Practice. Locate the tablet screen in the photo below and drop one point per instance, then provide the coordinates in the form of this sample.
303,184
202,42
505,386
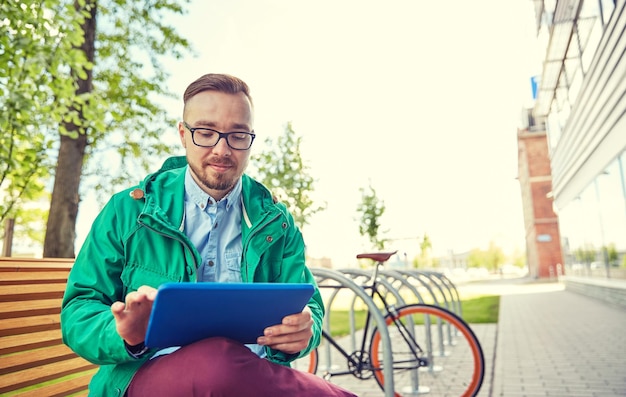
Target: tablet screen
184,313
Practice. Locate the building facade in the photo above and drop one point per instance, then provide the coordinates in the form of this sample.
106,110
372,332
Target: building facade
581,102
543,242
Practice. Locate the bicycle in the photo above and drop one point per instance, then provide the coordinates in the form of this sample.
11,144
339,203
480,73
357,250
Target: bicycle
411,329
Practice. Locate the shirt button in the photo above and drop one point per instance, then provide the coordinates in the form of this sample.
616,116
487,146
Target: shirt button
211,263
269,239
284,225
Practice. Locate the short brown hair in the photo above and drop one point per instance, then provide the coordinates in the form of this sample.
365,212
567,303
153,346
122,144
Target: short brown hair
217,82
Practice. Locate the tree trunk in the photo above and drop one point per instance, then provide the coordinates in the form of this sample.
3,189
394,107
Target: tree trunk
7,247
61,227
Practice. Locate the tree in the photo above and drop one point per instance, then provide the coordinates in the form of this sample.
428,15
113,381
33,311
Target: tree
371,209
424,259
104,80
284,172
492,258
37,47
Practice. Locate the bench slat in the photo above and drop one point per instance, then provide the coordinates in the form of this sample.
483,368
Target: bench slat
18,293
35,277
43,373
31,348
29,309
19,343
27,325
62,389
31,358
21,263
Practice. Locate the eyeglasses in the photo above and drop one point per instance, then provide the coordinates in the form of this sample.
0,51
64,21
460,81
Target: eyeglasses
207,137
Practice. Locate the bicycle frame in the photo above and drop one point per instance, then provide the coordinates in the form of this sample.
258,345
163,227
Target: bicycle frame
360,363
377,356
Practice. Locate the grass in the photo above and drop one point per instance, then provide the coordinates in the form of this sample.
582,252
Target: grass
478,310
481,310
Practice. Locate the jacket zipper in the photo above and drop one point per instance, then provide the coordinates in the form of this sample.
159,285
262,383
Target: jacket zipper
250,236
173,238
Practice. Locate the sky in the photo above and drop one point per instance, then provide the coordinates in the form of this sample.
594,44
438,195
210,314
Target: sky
421,100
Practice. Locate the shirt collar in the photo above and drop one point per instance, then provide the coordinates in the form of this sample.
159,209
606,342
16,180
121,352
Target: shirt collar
199,197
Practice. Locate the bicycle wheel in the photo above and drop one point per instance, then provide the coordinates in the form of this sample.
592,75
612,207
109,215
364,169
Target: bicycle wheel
307,363
449,361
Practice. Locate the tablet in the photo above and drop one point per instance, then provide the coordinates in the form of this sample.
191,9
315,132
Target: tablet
184,313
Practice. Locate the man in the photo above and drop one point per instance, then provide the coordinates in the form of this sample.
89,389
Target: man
199,218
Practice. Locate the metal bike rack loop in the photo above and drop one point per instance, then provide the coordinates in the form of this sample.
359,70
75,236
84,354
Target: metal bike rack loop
454,293
376,315
383,278
419,277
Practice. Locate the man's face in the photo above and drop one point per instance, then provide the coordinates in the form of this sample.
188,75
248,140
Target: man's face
216,169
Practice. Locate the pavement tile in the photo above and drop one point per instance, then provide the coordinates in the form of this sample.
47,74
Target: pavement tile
548,342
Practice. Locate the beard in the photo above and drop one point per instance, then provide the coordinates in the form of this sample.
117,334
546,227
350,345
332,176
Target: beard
217,181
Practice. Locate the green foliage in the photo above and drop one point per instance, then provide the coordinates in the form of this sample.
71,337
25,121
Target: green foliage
129,78
611,254
41,67
519,259
36,91
284,172
586,254
371,209
491,259
424,260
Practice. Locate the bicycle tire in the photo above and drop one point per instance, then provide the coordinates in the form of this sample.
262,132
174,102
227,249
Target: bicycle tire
308,363
461,374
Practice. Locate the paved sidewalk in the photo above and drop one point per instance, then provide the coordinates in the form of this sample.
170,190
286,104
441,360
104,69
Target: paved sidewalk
559,344
548,342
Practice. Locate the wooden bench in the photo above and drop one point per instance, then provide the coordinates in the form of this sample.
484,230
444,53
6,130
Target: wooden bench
33,358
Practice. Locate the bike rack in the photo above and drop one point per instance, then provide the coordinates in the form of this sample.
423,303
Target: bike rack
390,288
354,274
416,276
323,274
455,297
442,287
395,275
404,282
420,276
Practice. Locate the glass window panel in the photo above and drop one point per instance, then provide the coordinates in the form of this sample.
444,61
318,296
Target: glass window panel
612,209
589,8
553,127
576,83
608,6
591,45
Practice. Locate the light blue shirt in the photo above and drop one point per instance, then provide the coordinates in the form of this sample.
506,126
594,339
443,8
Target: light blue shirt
214,227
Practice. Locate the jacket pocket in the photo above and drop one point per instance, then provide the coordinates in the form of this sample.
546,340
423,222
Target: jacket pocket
134,276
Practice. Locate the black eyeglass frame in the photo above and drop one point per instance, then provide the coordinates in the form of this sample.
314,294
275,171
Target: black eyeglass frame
221,135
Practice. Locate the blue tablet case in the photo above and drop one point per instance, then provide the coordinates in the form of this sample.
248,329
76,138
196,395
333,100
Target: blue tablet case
184,313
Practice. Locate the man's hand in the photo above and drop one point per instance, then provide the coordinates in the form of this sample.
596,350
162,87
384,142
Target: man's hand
292,336
131,318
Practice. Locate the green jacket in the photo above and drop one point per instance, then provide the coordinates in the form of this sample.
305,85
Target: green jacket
136,241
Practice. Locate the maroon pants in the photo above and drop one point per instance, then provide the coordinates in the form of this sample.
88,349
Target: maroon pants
220,367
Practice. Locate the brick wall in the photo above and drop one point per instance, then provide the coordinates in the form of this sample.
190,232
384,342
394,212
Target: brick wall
543,241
